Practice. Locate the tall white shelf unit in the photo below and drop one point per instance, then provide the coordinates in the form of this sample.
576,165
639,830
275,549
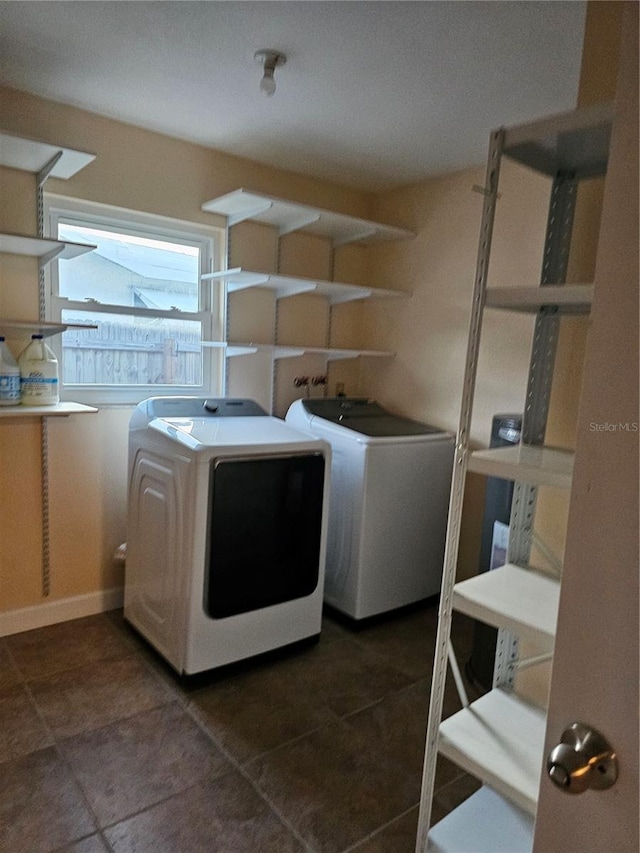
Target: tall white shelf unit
44,161
287,217
499,738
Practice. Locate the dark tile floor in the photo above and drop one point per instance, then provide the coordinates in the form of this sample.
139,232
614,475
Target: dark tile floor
102,748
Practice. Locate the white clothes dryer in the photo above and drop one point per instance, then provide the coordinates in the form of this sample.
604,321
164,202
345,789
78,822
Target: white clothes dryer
226,534
390,489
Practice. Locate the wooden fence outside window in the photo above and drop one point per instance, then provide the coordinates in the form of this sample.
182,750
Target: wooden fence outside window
127,354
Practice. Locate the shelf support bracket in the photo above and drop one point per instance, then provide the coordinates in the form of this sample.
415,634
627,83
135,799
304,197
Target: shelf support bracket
248,213
46,170
356,237
45,259
297,224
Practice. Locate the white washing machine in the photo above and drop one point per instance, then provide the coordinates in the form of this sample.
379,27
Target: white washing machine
390,488
226,534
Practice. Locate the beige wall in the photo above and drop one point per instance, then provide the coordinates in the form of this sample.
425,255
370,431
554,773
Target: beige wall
142,170
255,316
429,331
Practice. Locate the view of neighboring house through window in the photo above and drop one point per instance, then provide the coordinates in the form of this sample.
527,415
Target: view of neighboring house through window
141,289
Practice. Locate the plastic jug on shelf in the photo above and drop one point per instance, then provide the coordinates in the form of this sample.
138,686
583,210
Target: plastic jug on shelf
9,376
38,374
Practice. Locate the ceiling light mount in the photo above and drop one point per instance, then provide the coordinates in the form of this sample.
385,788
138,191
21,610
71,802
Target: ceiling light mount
270,60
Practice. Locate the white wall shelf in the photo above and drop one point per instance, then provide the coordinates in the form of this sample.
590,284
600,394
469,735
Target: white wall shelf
288,216
494,824
41,247
521,600
575,142
538,466
13,327
565,299
59,410
45,161
31,155
278,351
286,285
500,740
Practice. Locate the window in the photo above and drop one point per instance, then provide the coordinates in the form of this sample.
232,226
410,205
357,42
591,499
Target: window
141,293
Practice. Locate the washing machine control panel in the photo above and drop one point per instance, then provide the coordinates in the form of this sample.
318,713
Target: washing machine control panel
200,407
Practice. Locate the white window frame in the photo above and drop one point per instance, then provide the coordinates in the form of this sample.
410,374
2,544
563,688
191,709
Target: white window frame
211,242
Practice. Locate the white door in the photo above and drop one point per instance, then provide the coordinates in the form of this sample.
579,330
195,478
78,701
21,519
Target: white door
596,662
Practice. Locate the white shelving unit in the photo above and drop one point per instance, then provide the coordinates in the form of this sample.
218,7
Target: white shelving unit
285,285
43,249
523,601
287,217
59,410
44,160
234,349
33,155
575,142
13,327
500,737
494,824
565,299
539,466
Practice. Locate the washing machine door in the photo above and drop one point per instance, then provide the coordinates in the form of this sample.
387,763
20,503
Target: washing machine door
265,530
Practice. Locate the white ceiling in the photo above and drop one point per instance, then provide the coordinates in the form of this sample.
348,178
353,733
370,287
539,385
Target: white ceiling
373,95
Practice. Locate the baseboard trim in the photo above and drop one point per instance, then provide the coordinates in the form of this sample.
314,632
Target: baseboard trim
59,610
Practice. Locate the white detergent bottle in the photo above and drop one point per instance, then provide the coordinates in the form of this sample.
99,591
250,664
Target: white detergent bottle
38,374
9,376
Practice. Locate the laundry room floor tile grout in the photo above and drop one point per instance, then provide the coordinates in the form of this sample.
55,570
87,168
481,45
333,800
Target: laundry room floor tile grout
317,750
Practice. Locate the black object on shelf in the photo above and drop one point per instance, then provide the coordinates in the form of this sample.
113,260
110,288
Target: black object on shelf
505,431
